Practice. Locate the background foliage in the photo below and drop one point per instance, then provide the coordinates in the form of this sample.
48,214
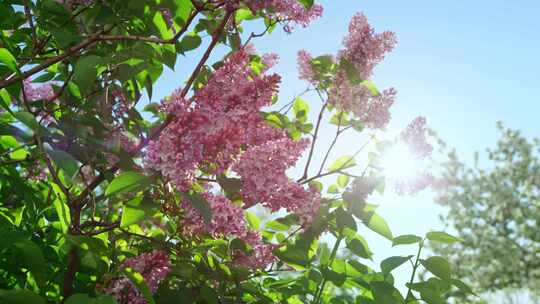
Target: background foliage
495,211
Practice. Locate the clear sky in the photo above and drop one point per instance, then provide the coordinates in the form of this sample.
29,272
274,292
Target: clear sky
462,64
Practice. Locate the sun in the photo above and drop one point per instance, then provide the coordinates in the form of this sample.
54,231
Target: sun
399,163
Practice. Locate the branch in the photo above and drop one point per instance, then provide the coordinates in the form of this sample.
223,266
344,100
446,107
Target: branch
28,14
310,156
106,227
90,42
338,132
255,35
320,291
71,270
47,63
152,39
409,293
338,170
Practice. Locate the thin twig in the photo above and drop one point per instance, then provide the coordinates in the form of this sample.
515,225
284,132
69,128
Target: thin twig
338,170
315,134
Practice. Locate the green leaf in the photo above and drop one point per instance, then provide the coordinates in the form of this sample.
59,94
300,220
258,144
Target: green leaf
159,22
376,223
62,210
405,239
129,181
277,226
359,246
350,70
243,14
432,297
64,160
441,237
335,277
306,3
189,42
333,189
28,120
8,60
295,255
345,219
394,262
342,180
34,259
462,286
201,205
20,296
138,280
230,185
438,266
385,293
5,100
371,87
131,215
86,71
340,119
253,220
209,295
342,163
301,109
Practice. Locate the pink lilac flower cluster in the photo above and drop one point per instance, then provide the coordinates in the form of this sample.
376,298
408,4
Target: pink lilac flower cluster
414,136
221,128
153,266
305,69
372,110
362,187
261,256
264,180
44,92
287,10
212,131
364,49
35,92
228,221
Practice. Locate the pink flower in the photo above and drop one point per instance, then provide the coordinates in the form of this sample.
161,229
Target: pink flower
227,218
261,256
264,180
223,119
228,222
363,47
372,110
35,92
304,66
153,266
412,186
414,136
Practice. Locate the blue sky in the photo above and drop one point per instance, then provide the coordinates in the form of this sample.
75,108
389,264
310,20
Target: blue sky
462,64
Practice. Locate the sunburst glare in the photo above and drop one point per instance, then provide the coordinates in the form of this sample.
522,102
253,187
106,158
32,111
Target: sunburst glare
399,163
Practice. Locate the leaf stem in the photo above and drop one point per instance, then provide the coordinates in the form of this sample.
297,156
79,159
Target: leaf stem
415,266
320,290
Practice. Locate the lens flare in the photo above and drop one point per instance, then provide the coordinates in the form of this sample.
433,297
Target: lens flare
399,163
